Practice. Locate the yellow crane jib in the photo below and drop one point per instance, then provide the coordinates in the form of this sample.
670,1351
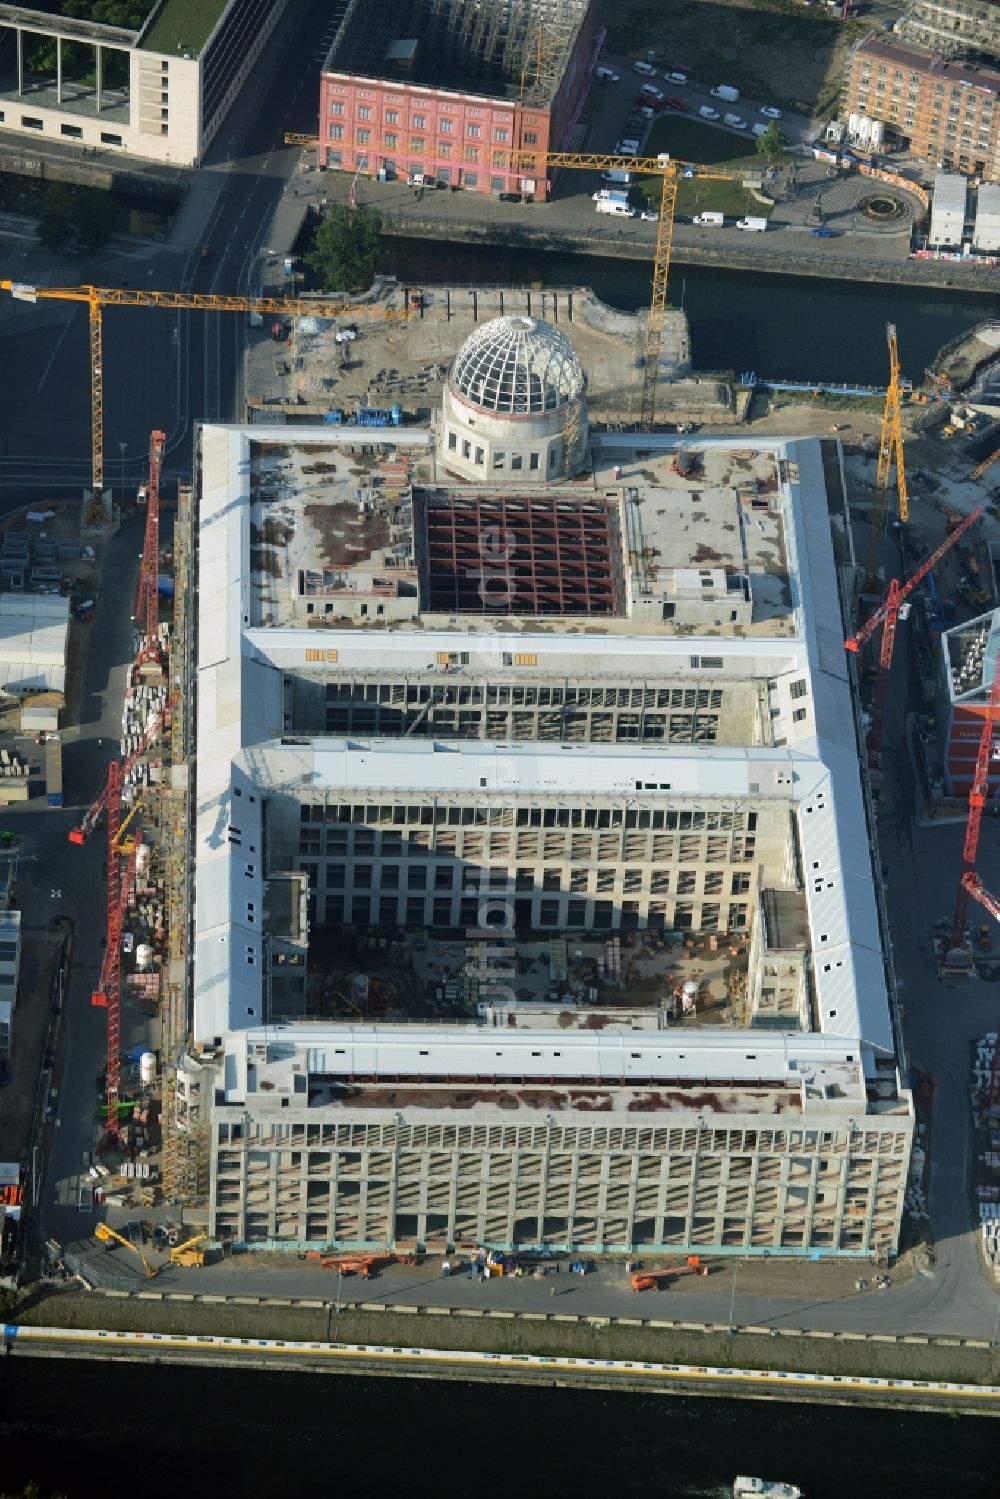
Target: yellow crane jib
96,298
668,170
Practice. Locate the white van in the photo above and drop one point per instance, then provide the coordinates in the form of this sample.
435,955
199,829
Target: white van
713,220
755,226
627,147
645,68
612,206
617,179
607,75
706,112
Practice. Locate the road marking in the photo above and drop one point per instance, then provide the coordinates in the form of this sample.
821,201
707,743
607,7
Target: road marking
55,351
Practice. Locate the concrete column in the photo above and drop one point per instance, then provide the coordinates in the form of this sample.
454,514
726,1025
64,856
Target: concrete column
20,61
59,75
99,74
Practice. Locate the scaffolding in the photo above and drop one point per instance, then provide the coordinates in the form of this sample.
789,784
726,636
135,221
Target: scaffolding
561,560
184,1154
501,48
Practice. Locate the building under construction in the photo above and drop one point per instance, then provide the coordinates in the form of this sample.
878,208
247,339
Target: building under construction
445,90
533,889
966,668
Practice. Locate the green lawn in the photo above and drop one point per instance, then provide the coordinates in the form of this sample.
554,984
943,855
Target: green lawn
689,140
183,26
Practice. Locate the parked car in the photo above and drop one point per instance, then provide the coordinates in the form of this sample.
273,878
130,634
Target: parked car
675,77
823,233
706,112
511,197
770,111
646,112
648,216
607,75
674,102
651,92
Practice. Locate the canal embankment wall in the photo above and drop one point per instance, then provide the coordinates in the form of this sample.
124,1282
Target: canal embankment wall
760,260
699,1347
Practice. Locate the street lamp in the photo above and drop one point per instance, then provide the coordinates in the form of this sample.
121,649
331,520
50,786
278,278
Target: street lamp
121,448
732,1300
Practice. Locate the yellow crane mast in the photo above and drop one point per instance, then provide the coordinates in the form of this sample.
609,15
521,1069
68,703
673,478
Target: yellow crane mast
669,173
980,469
890,451
96,298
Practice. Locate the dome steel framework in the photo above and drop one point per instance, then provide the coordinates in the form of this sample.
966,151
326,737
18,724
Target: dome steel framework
517,366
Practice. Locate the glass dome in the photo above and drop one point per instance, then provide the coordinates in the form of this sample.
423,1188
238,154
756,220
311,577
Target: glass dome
517,366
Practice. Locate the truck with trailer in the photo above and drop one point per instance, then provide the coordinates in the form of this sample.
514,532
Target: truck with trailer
711,220
53,771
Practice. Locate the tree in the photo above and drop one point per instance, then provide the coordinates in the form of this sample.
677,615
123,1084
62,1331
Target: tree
346,247
96,215
772,143
55,226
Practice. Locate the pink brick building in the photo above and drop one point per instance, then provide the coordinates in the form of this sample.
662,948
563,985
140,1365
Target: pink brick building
438,90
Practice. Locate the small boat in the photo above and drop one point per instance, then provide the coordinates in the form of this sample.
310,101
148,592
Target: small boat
764,1488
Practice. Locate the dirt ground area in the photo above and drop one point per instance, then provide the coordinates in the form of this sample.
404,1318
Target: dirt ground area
775,51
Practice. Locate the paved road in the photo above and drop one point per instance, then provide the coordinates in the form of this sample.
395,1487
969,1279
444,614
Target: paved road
163,369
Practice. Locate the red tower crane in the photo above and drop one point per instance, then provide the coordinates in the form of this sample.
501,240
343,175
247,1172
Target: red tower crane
107,996
146,594
970,885
887,615
109,796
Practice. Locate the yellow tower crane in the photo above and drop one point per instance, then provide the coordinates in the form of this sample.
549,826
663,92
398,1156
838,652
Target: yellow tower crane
890,450
980,469
669,172
97,298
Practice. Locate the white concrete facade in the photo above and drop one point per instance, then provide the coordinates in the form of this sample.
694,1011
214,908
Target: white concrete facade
296,1161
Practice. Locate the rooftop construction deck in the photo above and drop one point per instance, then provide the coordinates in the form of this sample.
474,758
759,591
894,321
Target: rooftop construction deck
510,49
343,535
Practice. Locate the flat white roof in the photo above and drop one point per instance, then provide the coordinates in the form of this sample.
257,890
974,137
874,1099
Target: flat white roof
240,726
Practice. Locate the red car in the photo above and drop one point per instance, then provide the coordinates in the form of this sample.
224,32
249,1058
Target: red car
673,101
647,102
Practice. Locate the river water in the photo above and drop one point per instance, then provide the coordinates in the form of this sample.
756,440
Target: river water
778,326
84,1428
